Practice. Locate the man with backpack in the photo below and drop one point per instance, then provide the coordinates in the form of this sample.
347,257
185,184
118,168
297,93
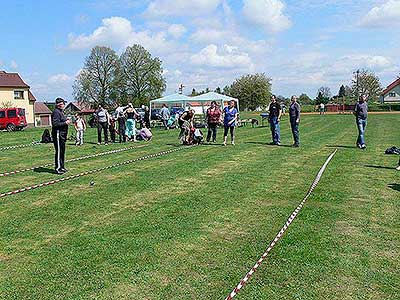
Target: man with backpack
59,132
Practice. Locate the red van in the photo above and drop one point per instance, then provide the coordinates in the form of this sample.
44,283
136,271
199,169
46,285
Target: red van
12,119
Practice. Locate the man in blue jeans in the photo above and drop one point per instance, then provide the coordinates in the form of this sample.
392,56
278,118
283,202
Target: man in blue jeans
361,113
275,113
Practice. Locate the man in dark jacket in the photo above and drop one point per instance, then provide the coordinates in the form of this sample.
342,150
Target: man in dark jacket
294,114
59,133
274,117
361,113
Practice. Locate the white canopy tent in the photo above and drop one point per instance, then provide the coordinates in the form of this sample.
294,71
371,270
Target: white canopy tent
213,96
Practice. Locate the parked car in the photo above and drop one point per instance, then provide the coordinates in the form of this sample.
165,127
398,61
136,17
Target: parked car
12,119
155,114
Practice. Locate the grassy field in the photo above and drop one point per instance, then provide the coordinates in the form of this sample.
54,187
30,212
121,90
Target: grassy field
190,224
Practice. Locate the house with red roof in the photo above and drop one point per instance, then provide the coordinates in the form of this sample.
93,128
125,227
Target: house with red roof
392,93
42,114
14,92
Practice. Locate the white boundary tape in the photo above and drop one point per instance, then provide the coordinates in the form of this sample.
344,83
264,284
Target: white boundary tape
282,231
20,146
71,160
28,188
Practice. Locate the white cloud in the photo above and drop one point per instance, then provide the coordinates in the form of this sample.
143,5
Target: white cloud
385,15
14,65
60,79
267,14
118,32
160,8
208,35
176,30
228,57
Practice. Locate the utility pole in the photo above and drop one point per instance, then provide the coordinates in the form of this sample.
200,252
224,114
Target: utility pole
358,91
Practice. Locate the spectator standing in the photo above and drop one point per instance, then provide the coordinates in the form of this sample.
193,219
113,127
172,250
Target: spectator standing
294,116
146,116
80,127
230,118
213,117
131,114
274,116
113,128
361,113
120,116
102,124
321,108
165,115
59,132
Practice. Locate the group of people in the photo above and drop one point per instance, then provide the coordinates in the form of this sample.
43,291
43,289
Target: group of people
126,118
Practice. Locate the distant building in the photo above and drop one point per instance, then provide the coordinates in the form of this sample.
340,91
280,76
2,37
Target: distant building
77,107
14,92
42,114
392,93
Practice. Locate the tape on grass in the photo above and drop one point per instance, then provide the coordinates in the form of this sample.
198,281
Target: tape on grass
20,146
282,231
71,160
127,162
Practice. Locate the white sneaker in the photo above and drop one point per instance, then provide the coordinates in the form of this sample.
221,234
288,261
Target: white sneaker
233,143
398,168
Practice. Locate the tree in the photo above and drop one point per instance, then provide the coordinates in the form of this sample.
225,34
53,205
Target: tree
367,84
304,99
227,90
194,93
218,90
141,75
97,82
252,90
342,92
323,95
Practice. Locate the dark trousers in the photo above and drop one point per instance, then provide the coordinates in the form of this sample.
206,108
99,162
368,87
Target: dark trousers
59,139
212,130
121,130
165,123
102,126
112,134
295,131
229,128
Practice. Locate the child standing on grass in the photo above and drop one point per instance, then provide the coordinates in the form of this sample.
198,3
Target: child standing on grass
80,127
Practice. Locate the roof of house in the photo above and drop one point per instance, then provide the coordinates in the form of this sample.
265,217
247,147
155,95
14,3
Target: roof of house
82,107
41,108
391,86
11,80
31,97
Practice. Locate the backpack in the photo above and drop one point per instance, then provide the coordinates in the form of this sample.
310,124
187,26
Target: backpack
46,137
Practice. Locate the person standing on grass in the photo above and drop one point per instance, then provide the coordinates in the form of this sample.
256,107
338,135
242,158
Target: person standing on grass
80,127
113,129
213,117
131,114
146,117
59,132
230,118
186,123
102,124
274,117
361,113
165,115
294,116
321,108
120,116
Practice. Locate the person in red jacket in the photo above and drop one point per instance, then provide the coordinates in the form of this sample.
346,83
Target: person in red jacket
213,117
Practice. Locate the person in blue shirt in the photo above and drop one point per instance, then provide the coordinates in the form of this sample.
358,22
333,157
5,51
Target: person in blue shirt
230,119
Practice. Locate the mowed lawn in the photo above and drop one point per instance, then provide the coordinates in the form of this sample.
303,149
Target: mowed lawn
190,224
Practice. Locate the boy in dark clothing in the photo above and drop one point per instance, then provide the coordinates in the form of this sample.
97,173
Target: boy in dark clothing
361,113
59,132
274,117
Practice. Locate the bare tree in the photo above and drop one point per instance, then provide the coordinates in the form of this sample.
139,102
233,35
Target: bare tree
366,83
97,82
141,75
325,92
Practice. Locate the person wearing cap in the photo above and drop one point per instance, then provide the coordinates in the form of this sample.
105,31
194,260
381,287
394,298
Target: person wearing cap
274,116
294,117
361,113
59,130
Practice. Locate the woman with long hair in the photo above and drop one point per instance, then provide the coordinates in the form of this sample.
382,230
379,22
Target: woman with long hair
231,115
131,114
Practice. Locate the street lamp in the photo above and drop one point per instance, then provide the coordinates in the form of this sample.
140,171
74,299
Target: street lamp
357,73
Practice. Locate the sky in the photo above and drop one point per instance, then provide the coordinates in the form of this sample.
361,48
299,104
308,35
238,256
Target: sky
301,44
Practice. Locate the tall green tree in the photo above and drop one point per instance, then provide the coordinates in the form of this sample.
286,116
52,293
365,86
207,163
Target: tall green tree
367,84
226,90
342,92
304,99
141,75
252,90
98,80
218,90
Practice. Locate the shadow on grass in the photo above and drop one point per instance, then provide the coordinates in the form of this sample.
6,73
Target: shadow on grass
212,144
44,170
394,186
267,144
380,167
175,145
341,146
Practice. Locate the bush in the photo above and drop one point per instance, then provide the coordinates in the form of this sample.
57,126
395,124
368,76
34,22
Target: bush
383,107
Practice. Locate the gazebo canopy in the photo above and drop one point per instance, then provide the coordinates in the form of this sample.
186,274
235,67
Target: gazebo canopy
213,96
174,98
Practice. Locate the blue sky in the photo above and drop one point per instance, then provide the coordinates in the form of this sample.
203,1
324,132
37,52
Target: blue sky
301,45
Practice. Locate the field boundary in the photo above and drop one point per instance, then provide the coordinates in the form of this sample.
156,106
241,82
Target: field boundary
282,231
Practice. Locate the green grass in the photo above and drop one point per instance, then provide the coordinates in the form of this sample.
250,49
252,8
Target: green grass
189,225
